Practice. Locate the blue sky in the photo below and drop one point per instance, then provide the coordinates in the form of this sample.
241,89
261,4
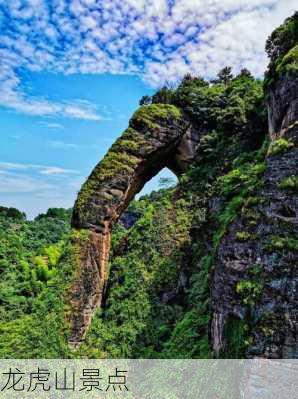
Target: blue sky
44,160
72,73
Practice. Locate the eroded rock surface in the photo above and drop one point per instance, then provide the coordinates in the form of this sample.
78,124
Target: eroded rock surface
255,281
283,107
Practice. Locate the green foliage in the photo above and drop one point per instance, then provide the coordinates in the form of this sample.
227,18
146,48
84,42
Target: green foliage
270,322
255,270
246,176
12,213
227,216
145,100
31,288
151,114
245,73
243,236
163,96
281,48
224,75
189,338
56,213
289,183
232,108
238,187
283,38
280,146
236,336
289,62
249,291
139,318
181,328
282,243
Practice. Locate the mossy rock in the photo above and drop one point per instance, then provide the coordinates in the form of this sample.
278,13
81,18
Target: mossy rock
130,149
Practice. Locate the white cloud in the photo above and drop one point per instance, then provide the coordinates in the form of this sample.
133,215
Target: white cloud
40,169
62,145
12,97
52,125
55,170
81,112
157,39
18,184
34,188
13,166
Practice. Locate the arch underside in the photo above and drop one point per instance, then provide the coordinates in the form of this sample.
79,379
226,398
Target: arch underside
157,137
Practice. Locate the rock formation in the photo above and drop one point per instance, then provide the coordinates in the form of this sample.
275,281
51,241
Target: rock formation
261,258
158,136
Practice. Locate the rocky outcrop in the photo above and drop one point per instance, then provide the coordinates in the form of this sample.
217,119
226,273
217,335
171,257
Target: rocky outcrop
283,107
254,289
158,136
255,281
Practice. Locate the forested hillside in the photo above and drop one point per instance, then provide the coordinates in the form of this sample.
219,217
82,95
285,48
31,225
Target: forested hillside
206,268
30,305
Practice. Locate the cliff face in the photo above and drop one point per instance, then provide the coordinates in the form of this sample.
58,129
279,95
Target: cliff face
235,281
283,107
255,279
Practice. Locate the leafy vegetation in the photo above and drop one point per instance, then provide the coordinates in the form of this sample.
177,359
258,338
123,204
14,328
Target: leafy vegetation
282,243
32,283
289,183
249,290
281,48
279,146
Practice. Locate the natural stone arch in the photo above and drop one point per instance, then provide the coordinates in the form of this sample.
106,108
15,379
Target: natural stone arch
158,136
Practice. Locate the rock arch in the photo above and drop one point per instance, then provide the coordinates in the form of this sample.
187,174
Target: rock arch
158,136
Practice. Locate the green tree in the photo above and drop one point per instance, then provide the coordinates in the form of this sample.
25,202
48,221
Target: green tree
224,75
245,73
163,96
145,100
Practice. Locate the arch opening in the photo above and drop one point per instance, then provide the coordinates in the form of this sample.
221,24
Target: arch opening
163,179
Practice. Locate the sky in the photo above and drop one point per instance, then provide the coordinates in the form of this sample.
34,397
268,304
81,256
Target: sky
72,73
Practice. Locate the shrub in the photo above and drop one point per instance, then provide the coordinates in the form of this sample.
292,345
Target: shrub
289,183
249,290
289,62
243,236
282,243
279,146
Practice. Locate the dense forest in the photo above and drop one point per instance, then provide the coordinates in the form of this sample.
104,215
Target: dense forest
166,247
